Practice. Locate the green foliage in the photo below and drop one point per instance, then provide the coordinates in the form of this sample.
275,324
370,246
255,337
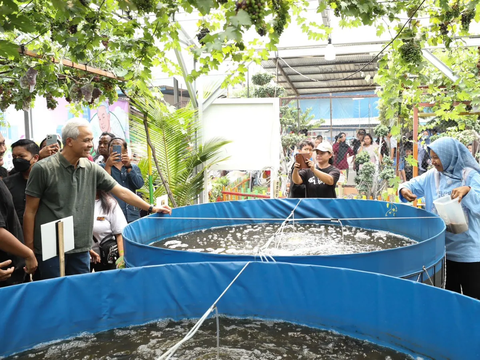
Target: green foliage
174,135
289,141
217,187
268,91
362,157
130,37
374,179
262,79
292,123
380,130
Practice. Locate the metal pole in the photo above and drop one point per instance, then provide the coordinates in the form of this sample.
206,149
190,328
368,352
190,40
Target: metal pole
27,123
175,94
248,81
331,120
298,114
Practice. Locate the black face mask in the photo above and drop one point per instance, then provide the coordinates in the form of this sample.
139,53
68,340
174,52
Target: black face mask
21,165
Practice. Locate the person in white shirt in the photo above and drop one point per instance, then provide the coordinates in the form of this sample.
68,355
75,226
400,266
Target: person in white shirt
109,222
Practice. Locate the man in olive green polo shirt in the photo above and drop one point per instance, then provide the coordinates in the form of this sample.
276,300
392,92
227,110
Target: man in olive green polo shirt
65,184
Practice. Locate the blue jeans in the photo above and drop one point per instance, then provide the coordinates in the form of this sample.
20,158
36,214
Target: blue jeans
78,263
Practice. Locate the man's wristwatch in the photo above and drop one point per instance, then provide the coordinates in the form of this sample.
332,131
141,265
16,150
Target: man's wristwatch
150,209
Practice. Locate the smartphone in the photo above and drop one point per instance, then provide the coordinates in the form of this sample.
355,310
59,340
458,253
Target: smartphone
118,150
302,160
51,139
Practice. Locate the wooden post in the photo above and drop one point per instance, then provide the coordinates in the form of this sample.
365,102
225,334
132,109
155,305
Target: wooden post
61,248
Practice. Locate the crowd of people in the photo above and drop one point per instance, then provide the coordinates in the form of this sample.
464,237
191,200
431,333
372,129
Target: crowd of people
51,182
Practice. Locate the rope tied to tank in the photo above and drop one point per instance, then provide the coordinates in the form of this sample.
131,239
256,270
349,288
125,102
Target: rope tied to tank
297,219
280,229
170,352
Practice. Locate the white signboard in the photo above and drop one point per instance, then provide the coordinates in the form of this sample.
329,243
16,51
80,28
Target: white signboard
252,126
49,237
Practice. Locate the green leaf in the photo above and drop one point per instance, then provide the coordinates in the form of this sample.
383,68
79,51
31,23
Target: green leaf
241,19
205,5
233,33
9,49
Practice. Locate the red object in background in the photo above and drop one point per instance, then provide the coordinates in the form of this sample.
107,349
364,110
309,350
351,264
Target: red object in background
90,157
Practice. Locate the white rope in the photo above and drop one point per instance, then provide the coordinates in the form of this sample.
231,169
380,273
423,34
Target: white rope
429,278
280,229
170,352
297,219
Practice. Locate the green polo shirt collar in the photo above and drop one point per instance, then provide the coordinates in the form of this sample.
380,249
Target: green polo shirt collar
65,163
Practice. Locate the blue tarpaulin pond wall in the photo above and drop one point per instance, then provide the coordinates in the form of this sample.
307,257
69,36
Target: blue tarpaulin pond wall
412,317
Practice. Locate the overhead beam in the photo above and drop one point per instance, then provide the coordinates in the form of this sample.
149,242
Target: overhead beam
335,87
329,72
332,63
335,91
71,64
324,80
327,97
279,66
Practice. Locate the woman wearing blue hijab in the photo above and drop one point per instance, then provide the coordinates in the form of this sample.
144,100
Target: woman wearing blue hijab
455,173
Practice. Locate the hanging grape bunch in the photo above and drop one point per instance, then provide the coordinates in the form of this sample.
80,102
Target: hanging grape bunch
202,33
256,10
76,93
27,103
280,9
87,91
6,98
411,52
29,80
51,102
467,17
96,93
443,28
144,5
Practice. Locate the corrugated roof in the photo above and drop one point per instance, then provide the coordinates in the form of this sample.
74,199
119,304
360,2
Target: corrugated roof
309,75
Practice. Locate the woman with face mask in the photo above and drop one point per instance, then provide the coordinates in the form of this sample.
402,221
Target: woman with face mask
455,173
25,154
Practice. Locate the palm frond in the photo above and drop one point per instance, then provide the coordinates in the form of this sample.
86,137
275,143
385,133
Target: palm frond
183,164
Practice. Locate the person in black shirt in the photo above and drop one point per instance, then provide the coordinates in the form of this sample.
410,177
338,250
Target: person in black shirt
25,154
15,257
3,148
356,143
320,180
299,191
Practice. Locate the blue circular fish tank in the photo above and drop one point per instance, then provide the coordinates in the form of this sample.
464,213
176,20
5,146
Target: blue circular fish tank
422,261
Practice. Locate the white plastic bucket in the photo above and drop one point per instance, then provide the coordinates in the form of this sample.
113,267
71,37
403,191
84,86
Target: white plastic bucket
450,210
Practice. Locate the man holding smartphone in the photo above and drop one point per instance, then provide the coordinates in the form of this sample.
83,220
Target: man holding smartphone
128,175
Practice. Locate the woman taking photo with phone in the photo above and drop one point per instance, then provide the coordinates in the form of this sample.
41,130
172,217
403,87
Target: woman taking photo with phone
125,173
320,179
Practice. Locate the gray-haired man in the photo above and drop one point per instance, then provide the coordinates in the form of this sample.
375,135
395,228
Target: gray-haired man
65,184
